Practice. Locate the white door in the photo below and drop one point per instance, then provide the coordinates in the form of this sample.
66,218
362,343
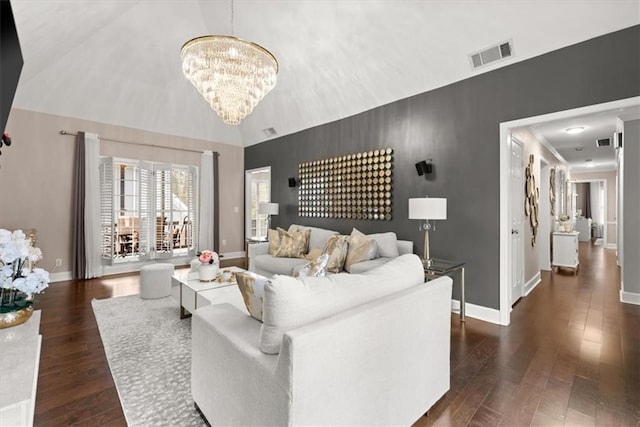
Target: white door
517,228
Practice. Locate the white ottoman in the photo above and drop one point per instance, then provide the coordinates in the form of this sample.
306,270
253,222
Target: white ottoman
155,280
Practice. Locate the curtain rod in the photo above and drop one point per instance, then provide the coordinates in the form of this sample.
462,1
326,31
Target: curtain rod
215,153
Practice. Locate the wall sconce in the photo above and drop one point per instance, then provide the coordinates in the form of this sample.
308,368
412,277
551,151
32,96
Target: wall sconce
292,182
423,167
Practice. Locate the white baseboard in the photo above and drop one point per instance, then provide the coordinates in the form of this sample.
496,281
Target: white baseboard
611,246
629,297
132,267
532,283
479,312
233,255
60,277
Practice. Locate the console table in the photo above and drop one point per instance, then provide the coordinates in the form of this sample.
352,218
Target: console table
19,363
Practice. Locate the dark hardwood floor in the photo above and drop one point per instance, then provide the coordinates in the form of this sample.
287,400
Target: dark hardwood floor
571,356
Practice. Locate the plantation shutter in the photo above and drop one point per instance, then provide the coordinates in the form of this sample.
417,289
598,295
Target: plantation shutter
164,212
107,219
147,218
193,210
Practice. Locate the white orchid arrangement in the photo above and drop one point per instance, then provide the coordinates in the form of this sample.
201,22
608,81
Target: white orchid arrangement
18,273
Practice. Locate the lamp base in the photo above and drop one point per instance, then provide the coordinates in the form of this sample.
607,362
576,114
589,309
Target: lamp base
426,259
427,262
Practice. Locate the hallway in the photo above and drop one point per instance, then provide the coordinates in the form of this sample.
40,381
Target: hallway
571,356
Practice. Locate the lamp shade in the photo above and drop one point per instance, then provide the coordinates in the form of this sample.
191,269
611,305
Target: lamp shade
268,209
428,208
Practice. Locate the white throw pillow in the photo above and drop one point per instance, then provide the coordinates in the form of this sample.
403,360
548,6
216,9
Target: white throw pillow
290,303
315,268
387,244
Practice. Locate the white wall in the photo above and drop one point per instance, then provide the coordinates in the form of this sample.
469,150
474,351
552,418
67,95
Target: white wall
36,177
532,257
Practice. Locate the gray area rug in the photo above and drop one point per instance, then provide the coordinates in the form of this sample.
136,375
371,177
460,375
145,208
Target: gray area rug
149,352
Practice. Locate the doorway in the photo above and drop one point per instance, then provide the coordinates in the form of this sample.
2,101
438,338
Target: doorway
506,257
589,207
257,190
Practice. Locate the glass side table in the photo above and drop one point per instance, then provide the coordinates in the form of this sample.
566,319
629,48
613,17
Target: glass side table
443,267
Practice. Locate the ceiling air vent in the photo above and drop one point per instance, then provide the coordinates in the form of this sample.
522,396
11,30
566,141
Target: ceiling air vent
604,142
491,54
269,132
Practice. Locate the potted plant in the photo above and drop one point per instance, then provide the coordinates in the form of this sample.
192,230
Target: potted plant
208,269
19,278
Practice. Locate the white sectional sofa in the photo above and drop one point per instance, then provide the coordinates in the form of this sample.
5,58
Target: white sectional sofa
260,262
354,349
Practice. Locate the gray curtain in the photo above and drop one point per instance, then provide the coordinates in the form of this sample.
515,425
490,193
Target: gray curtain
86,263
79,261
587,201
583,190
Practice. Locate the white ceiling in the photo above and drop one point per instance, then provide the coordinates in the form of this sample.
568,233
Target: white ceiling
118,62
579,151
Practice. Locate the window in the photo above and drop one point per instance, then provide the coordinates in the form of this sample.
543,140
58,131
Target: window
257,190
147,210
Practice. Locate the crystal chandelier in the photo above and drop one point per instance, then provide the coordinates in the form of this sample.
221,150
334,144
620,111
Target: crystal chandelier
233,75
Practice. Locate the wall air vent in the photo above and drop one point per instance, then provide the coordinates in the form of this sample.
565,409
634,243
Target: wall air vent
269,132
491,54
604,142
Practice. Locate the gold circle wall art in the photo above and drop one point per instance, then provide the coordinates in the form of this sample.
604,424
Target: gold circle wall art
531,198
352,186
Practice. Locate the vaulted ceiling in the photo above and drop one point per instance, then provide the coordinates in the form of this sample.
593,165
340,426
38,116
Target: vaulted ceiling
118,62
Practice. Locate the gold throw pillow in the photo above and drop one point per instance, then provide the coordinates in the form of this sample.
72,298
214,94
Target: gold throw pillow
293,244
359,245
336,248
274,241
251,287
314,253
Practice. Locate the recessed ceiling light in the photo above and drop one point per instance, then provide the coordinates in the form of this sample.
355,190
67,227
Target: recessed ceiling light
573,131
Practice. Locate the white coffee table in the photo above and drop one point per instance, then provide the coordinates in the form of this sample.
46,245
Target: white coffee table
19,363
195,294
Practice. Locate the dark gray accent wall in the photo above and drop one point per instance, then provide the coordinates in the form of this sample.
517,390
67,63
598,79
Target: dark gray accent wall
10,61
631,208
458,127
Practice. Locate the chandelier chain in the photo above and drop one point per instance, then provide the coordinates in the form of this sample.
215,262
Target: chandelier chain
232,32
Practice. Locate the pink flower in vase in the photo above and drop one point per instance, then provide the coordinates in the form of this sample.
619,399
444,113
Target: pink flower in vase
208,257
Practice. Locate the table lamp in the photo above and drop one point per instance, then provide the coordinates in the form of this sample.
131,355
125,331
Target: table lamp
427,208
268,209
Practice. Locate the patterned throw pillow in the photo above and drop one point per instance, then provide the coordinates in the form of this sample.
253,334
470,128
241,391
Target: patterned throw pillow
360,249
293,244
274,241
315,268
252,289
336,248
313,253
